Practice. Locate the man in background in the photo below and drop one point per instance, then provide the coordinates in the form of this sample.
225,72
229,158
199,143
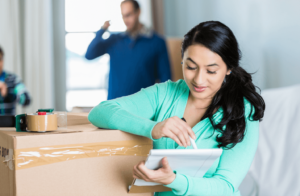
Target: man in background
138,56
12,90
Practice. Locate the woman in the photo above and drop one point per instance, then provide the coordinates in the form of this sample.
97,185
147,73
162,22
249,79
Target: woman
218,102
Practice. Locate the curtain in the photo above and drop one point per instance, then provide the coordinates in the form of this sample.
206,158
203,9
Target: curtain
26,35
10,35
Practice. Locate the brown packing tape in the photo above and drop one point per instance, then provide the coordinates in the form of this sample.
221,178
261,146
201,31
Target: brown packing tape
41,122
32,157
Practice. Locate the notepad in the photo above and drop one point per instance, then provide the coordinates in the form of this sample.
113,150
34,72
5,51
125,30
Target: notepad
191,162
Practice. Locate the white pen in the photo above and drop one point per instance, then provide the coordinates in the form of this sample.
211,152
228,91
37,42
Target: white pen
193,143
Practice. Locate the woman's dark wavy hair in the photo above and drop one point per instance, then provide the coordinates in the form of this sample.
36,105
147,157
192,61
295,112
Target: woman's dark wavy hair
238,85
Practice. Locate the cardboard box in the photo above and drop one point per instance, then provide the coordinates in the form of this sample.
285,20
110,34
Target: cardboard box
174,49
79,160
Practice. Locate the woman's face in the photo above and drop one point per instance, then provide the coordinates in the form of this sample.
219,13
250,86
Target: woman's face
204,71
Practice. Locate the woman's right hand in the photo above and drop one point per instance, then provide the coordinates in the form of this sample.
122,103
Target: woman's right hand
174,128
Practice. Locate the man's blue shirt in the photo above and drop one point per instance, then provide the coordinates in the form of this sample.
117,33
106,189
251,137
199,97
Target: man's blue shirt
134,63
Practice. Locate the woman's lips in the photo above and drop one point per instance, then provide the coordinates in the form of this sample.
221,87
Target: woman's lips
199,88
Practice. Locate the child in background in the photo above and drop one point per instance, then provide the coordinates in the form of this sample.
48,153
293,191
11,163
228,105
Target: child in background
12,90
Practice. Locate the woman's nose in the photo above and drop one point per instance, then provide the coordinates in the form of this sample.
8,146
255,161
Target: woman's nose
200,77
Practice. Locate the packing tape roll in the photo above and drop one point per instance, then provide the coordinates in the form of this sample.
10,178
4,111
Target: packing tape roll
41,123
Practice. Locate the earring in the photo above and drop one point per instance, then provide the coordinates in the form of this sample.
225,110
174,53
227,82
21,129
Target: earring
181,63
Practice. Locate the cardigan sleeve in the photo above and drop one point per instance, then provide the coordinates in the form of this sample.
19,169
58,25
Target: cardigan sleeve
233,167
134,113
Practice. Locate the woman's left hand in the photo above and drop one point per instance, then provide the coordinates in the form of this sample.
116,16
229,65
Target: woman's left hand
163,175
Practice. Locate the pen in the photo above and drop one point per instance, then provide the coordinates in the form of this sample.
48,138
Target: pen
191,140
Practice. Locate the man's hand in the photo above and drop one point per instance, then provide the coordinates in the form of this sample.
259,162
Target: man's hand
106,25
163,175
3,89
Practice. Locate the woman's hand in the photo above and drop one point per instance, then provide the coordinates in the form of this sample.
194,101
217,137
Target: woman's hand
174,128
163,175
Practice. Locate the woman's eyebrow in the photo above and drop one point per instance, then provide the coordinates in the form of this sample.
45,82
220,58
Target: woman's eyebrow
214,64
192,61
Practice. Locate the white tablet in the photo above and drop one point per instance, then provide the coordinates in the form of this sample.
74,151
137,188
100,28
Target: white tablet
191,162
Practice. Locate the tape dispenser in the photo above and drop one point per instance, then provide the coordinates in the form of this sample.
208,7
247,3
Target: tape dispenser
41,121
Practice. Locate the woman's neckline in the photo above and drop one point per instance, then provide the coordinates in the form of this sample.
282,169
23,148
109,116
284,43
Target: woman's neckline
184,100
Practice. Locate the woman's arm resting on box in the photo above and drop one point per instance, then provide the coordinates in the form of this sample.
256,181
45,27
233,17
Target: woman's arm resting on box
133,114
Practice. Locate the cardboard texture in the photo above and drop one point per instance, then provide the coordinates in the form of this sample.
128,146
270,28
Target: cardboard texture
106,174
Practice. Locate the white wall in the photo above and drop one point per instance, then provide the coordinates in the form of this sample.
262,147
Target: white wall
267,30
146,15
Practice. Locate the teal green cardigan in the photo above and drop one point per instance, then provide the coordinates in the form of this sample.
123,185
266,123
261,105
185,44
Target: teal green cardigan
140,112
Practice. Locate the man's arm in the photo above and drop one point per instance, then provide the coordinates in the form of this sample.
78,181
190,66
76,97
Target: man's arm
99,46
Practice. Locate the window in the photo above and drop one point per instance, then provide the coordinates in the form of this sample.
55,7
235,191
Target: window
87,81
